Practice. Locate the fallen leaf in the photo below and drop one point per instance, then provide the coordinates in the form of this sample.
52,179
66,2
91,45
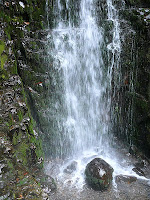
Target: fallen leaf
20,197
17,179
38,83
26,23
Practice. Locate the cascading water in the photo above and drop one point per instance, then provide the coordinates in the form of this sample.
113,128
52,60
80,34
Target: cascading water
87,79
88,61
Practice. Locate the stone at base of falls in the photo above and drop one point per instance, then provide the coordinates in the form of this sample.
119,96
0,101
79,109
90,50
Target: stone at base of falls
99,174
138,171
71,167
48,184
125,179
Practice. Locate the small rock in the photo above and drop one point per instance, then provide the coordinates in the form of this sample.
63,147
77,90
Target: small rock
125,178
71,168
40,160
26,120
23,127
48,183
32,146
7,150
138,171
13,111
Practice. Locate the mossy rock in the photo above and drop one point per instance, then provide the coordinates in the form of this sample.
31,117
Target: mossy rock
99,174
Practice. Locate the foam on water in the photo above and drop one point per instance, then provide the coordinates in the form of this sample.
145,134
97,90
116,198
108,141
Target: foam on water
76,179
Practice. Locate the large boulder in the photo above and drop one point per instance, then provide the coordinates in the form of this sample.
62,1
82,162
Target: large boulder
99,174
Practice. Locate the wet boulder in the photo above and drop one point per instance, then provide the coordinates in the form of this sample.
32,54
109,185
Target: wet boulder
98,174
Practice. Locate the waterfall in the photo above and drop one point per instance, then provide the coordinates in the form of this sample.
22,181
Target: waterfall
85,77
86,63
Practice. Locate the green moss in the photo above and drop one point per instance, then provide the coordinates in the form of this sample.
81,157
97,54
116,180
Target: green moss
3,60
97,184
22,182
3,56
7,32
15,139
3,76
10,164
22,152
2,46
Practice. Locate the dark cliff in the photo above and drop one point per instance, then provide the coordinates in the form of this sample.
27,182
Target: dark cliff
133,96
21,153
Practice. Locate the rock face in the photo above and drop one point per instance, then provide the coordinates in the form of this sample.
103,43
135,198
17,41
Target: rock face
132,94
99,174
20,147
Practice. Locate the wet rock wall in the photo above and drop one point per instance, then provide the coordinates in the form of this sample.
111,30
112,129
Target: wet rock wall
132,97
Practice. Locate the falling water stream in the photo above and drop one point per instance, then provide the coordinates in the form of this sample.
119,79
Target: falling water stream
86,59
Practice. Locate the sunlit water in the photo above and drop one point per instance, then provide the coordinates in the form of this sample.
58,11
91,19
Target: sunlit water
86,62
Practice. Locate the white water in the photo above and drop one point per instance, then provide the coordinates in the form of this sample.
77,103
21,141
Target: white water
87,103
78,54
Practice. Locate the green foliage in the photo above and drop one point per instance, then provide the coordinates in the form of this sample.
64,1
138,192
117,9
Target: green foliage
10,164
20,115
15,139
22,152
22,182
3,60
3,56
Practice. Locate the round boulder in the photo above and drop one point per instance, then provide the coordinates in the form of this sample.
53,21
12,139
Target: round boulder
98,174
